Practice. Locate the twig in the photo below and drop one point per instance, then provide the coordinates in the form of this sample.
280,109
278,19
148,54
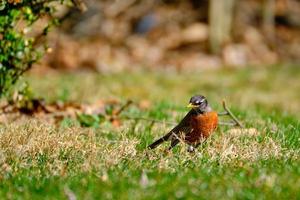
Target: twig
118,112
222,113
227,123
232,115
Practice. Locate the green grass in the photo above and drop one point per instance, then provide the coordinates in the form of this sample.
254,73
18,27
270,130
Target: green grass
42,161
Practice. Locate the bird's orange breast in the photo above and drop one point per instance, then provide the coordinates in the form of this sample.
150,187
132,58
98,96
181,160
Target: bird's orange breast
203,125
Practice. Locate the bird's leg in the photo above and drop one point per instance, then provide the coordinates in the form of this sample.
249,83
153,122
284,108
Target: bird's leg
191,149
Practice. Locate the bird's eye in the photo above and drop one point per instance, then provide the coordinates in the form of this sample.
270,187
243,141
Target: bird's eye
197,102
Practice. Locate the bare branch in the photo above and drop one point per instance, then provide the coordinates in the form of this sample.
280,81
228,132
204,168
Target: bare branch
232,115
228,123
126,105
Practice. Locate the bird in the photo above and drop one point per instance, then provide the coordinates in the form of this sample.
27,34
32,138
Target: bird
198,124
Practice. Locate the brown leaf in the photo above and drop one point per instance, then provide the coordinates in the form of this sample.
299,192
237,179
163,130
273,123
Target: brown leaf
116,122
144,104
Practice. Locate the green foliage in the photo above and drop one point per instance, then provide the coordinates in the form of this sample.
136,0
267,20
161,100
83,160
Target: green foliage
90,120
94,120
18,51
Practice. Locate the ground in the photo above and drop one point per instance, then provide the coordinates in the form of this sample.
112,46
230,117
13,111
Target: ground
40,160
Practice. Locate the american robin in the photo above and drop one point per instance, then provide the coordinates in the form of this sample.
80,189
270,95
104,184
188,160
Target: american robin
196,126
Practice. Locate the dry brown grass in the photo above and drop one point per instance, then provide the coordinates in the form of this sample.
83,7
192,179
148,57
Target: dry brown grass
24,144
33,143
233,146
243,144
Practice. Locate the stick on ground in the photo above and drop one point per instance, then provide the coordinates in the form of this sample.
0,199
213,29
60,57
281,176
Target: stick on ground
228,111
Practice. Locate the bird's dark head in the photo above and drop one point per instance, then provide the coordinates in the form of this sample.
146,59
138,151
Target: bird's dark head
199,104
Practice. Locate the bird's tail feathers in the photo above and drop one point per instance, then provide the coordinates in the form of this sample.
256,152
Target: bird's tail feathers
158,142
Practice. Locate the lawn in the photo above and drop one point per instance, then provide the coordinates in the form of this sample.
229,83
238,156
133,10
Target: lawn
40,160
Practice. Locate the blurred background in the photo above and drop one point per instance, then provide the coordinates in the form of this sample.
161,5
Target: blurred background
184,35
127,69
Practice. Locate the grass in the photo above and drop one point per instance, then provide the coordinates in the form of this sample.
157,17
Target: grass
40,160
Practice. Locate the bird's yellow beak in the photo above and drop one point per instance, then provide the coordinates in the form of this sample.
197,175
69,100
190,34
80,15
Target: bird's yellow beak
191,105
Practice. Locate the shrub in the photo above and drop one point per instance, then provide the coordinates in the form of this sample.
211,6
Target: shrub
18,43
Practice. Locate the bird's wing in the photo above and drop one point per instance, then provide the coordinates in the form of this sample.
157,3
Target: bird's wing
183,127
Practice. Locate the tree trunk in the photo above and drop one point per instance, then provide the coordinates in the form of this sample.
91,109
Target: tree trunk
268,18
220,23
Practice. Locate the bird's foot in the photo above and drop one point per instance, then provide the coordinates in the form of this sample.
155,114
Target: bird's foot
191,149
